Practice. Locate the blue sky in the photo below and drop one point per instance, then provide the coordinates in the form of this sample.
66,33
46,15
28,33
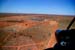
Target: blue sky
59,7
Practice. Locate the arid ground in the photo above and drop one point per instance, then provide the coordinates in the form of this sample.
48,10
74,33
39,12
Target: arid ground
30,31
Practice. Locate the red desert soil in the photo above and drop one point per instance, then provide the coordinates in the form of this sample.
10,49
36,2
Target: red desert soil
28,35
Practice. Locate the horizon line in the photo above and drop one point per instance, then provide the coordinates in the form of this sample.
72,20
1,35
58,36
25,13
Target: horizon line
36,13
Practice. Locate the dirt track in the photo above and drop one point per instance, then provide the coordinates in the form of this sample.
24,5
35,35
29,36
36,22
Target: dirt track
28,35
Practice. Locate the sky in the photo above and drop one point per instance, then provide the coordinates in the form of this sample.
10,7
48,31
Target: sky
58,7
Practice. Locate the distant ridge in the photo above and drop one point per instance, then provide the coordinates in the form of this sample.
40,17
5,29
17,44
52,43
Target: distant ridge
17,14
